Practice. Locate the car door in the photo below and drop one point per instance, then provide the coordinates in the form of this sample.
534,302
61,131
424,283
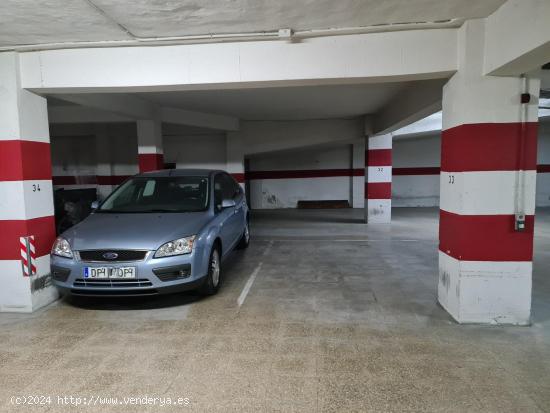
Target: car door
223,215
235,219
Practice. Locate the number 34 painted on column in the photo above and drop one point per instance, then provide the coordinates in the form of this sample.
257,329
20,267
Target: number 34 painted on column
36,187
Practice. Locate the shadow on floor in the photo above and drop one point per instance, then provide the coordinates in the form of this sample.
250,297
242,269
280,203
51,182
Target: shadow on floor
133,303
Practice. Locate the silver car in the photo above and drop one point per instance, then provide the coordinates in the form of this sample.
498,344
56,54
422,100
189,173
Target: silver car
159,232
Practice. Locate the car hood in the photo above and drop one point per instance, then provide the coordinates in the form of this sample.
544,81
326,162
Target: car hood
133,231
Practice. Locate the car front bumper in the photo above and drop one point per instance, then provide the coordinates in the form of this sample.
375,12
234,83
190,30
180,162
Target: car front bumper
153,275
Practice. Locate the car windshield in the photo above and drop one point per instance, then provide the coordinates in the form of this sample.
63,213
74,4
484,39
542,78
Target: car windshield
159,194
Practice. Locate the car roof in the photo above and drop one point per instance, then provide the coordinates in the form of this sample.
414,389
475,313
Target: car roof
180,172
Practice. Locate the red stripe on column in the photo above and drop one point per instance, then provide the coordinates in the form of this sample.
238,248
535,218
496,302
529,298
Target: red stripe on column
24,160
429,170
378,190
379,157
488,147
42,228
239,177
485,237
150,161
543,168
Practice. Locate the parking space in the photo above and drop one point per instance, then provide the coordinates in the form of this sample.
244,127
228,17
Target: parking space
319,314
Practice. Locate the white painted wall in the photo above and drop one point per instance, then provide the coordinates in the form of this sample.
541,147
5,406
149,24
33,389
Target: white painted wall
195,151
285,193
270,136
73,155
76,156
416,190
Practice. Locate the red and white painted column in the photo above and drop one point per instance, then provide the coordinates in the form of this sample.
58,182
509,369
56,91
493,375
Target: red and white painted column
378,175
358,174
150,149
26,195
488,178
235,156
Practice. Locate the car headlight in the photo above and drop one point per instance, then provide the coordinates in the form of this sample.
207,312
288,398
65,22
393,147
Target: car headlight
62,248
177,247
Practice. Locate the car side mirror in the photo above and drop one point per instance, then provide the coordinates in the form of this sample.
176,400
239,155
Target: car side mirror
228,203
94,205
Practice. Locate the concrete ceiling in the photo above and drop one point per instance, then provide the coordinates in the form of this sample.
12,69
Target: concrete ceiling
288,103
52,21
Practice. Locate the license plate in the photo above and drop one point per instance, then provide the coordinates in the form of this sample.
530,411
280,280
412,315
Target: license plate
109,272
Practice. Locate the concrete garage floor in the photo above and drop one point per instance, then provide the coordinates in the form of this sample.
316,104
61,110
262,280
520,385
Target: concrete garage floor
340,317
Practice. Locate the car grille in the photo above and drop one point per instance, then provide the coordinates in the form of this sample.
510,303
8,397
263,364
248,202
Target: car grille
112,283
123,255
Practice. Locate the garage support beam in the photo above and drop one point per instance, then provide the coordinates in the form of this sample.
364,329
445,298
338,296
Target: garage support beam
150,148
199,119
378,173
26,195
412,104
488,174
521,25
123,105
408,55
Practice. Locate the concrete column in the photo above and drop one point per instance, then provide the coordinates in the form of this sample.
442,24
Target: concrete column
378,174
150,149
104,163
26,195
235,156
488,175
358,174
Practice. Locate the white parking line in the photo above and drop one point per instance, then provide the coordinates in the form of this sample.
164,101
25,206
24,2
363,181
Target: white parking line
248,285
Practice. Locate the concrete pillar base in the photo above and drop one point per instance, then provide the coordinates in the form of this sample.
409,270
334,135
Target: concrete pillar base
379,211
485,292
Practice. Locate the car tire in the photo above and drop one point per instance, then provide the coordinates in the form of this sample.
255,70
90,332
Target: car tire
245,238
212,283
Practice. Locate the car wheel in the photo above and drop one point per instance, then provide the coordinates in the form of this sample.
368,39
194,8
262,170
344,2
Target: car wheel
245,239
212,282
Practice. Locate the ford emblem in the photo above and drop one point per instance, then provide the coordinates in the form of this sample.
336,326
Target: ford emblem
110,255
